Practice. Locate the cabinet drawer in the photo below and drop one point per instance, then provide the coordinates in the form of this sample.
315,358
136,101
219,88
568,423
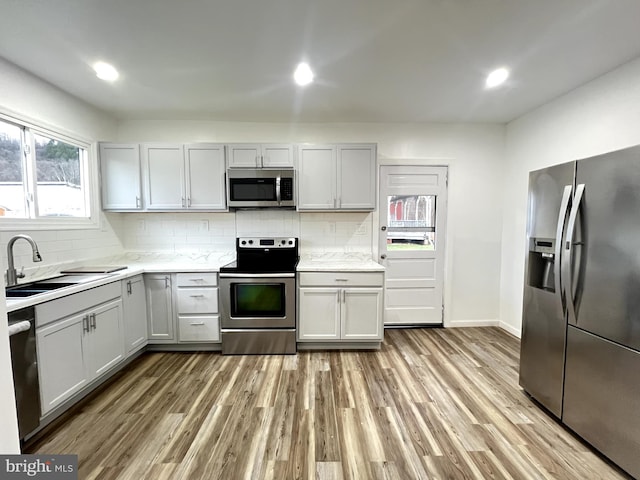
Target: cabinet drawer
338,279
204,279
201,328
62,307
197,300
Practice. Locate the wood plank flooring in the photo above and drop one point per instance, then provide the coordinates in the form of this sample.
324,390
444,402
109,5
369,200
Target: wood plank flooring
432,403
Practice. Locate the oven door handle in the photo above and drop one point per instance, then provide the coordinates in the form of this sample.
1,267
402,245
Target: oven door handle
257,275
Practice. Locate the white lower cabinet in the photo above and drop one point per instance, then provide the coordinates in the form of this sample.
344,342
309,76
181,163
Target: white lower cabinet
74,351
197,307
134,304
160,316
330,312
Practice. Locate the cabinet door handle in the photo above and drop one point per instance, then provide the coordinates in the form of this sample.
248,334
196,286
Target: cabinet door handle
85,323
137,202
93,321
166,282
183,202
129,291
188,201
344,296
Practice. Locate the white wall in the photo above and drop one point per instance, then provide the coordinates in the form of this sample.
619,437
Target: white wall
474,154
601,116
31,99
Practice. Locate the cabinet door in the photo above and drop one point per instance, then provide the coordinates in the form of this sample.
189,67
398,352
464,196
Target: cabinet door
362,314
135,313
105,343
356,177
159,308
277,156
205,176
244,155
164,177
120,176
319,310
61,367
317,179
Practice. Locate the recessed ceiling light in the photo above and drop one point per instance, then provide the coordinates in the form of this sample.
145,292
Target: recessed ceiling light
497,77
303,74
105,71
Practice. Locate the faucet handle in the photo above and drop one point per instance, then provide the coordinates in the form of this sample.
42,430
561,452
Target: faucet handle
21,273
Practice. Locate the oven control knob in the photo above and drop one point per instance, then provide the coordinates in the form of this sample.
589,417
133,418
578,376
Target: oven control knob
250,242
283,242
243,242
290,242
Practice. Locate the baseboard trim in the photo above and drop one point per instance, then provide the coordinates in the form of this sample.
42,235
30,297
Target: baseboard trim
472,323
510,328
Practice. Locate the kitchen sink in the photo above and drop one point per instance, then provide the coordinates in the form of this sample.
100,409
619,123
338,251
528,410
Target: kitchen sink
49,284
30,289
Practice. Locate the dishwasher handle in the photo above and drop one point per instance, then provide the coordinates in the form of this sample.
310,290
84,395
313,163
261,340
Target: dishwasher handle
19,327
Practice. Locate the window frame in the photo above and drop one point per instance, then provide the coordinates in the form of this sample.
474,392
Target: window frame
88,175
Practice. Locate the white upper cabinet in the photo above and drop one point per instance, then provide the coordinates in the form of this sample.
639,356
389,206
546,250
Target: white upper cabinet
356,177
254,155
184,176
337,177
164,177
317,177
205,176
120,176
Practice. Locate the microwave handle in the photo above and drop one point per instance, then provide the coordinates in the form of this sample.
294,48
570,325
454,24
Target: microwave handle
278,196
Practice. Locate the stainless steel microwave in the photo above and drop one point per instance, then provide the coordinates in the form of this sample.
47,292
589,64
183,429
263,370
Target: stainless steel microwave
260,188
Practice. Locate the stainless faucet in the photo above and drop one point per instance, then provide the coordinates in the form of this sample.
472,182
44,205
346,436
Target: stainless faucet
12,274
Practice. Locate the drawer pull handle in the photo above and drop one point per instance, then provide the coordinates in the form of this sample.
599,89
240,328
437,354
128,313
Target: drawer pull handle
196,323
342,279
197,296
196,279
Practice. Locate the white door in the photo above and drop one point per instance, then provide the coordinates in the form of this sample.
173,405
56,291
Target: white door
135,314
120,170
361,309
159,308
61,365
317,177
164,176
413,210
277,156
205,175
356,177
105,345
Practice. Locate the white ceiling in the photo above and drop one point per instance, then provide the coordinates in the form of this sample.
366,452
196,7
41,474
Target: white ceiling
375,60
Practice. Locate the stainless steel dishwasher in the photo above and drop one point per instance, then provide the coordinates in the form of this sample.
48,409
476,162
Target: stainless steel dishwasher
22,336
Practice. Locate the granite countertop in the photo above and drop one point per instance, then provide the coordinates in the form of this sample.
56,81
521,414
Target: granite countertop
172,262
334,261
136,263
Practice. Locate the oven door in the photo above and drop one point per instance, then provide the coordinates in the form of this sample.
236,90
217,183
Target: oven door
258,300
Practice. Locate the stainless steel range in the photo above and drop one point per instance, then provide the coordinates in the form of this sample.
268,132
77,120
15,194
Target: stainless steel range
258,297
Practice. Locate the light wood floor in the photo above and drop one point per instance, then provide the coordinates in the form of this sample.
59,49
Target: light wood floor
432,403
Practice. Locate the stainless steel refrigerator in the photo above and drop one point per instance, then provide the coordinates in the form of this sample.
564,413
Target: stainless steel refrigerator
580,348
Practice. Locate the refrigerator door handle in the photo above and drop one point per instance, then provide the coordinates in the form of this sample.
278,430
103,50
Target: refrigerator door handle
562,220
568,253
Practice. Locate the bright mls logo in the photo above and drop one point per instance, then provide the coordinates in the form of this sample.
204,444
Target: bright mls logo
52,467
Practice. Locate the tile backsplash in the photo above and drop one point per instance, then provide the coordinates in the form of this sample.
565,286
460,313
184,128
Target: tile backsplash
318,232
193,232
